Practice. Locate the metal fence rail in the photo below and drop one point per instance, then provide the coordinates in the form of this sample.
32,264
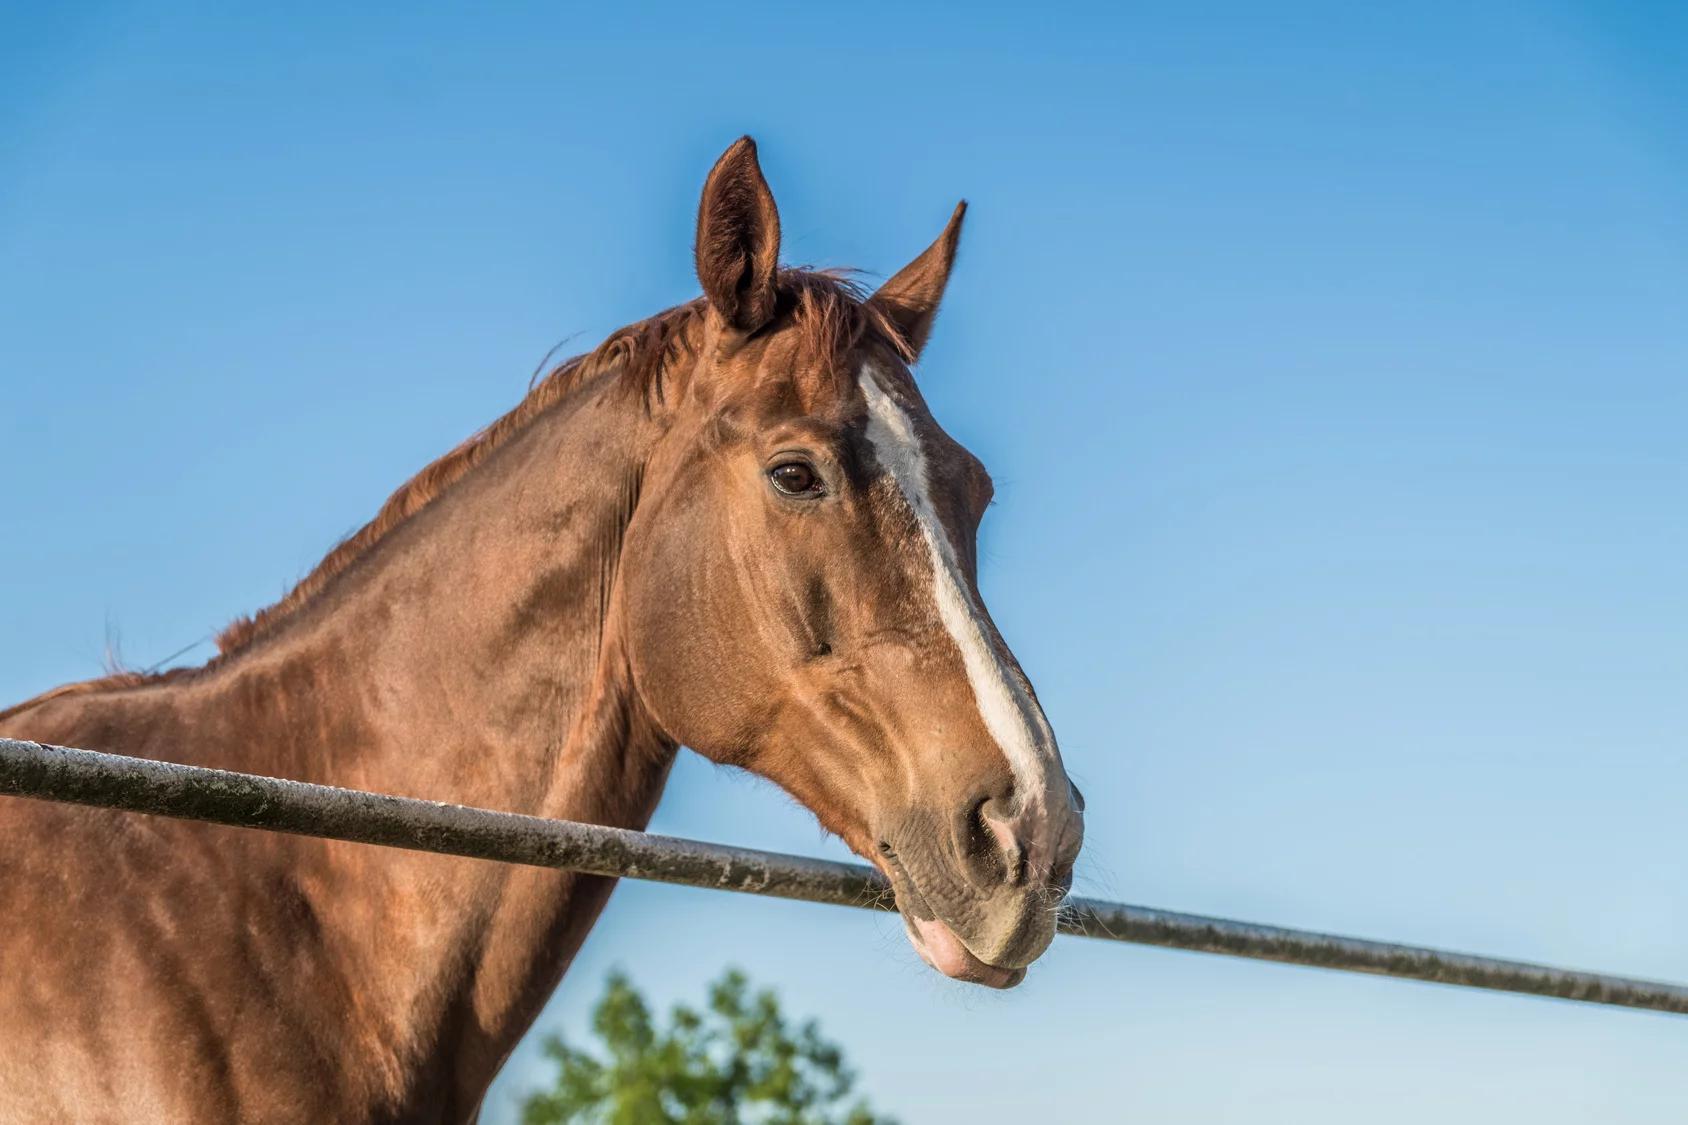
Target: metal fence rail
84,777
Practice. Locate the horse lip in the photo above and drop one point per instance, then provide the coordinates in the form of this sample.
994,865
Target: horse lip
919,916
942,948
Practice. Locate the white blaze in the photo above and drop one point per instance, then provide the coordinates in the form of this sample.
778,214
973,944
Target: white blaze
1017,723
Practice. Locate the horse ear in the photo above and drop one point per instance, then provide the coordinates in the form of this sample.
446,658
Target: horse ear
910,299
738,239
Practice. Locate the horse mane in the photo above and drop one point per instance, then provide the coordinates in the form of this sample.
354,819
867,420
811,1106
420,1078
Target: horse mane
827,307
637,354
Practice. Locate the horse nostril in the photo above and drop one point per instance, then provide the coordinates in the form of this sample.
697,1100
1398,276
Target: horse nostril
994,849
979,846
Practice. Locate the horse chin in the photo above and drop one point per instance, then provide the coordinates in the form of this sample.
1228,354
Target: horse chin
939,947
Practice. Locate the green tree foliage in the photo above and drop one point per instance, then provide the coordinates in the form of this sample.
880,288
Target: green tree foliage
738,1064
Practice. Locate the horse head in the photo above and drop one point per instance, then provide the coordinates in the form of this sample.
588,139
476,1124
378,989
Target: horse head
800,598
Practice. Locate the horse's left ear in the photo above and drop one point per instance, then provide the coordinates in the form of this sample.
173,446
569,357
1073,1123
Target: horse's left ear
910,299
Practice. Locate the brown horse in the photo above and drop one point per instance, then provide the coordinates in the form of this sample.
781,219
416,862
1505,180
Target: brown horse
732,526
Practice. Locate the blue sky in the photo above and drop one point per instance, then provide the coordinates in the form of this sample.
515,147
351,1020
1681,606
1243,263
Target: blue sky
1332,363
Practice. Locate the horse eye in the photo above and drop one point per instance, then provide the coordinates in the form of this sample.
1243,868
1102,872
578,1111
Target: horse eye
794,478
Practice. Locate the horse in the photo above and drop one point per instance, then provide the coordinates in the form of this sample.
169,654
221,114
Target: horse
734,526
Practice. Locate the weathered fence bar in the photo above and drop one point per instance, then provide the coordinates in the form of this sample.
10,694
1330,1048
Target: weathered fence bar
85,777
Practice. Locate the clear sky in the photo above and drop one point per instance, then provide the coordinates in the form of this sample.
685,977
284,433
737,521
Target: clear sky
1331,360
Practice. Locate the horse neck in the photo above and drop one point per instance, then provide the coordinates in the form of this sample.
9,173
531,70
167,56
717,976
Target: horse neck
464,660
458,658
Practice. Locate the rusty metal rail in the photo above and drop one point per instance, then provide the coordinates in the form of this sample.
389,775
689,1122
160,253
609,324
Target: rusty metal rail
84,777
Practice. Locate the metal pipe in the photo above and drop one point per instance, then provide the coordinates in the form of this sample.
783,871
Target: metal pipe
85,777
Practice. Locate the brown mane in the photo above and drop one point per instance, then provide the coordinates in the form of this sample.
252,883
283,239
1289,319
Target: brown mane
827,306
638,353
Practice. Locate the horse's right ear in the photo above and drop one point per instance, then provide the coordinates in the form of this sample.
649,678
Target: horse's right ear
738,239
